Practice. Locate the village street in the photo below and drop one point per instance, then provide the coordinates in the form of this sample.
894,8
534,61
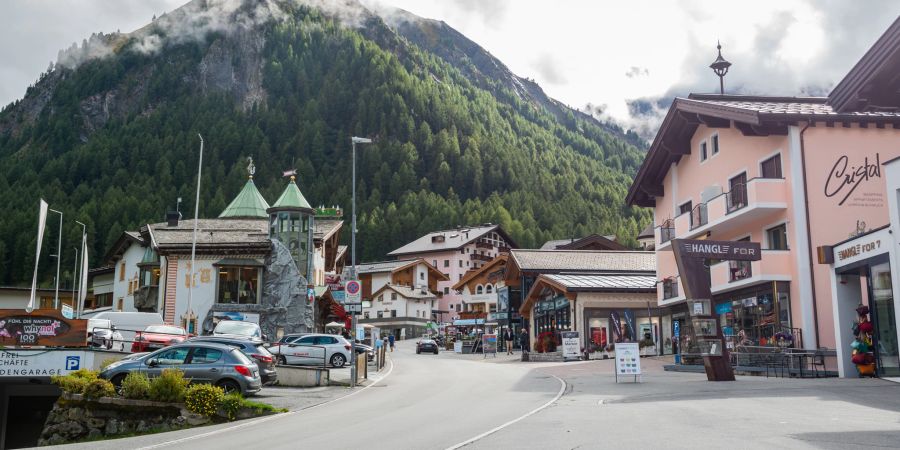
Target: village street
443,401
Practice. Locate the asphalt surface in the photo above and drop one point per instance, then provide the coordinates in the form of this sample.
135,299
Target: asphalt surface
451,401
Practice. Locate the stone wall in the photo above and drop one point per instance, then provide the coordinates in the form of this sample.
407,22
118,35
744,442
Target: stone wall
74,419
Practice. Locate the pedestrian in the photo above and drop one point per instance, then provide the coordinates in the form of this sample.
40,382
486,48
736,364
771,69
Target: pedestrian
525,342
378,344
508,338
391,341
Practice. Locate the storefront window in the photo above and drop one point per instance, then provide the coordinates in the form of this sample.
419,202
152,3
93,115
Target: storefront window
552,314
239,285
752,317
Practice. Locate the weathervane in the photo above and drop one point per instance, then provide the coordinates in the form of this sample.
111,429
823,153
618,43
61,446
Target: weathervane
250,167
290,173
720,67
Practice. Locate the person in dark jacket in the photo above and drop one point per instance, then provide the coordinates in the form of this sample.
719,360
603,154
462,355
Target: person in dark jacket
508,338
525,342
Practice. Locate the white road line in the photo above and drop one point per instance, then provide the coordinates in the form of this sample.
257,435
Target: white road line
266,419
562,389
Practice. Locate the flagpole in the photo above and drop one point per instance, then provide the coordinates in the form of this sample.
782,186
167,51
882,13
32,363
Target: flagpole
194,243
42,221
76,302
58,257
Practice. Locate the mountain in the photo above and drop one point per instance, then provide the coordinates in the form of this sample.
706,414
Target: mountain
109,133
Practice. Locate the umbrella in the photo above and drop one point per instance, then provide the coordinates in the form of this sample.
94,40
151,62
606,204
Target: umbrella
334,325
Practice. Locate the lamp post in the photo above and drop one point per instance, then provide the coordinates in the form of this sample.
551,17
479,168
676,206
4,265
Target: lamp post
58,257
76,302
187,312
353,141
75,277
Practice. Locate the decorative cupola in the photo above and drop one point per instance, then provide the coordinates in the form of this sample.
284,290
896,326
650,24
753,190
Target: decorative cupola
249,203
291,222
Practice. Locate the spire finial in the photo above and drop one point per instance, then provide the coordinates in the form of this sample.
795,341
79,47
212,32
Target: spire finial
720,67
251,169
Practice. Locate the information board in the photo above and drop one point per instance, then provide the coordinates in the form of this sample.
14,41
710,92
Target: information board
628,359
571,348
489,344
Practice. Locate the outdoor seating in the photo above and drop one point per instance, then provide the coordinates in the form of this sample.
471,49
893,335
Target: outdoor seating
818,360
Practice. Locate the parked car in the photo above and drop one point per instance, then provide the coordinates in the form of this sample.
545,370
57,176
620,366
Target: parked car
102,333
205,362
155,337
368,350
312,349
256,351
426,345
238,329
127,324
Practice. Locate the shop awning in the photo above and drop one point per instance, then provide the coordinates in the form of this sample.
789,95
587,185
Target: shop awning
468,322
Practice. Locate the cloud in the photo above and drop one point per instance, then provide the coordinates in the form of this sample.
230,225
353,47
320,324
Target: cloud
549,69
635,71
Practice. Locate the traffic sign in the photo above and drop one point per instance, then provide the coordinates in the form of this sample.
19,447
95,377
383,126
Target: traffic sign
353,308
354,291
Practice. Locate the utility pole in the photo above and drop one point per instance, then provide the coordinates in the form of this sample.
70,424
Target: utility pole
58,257
353,141
76,302
194,243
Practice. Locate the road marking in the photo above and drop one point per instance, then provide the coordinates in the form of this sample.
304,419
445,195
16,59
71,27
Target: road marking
266,419
562,389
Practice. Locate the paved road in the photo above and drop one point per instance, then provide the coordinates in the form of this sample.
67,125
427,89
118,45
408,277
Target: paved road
427,402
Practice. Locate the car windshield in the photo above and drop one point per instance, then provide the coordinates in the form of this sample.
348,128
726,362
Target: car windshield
262,350
164,329
235,327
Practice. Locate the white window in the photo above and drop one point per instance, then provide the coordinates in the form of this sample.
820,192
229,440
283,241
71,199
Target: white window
479,289
703,151
489,289
714,144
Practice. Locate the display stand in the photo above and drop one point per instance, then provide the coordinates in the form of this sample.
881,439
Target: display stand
628,361
489,344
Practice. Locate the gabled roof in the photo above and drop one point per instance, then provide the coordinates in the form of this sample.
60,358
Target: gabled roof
607,242
292,198
872,83
244,235
249,203
125,239
574,283
407,292
488,267
561,261
325,228
384,266
647,233
453,239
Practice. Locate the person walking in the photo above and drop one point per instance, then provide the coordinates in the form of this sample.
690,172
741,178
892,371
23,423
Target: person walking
525,342
508,338
391,341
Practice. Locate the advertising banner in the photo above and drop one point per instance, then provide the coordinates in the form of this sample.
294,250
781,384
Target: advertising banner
571,345
489,344
43,363
45,327
219,316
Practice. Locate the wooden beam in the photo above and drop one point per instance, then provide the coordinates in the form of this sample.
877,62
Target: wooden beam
879,125
675,149
655,190
845,124
829,124
761,130
690,118
864,124
714,122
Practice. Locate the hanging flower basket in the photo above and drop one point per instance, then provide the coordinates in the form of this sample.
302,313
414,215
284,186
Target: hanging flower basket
784,339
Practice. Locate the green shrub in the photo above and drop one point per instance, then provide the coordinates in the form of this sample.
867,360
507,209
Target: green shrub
70,384
99,388
203,399
86,374
231,403
136,386
169,386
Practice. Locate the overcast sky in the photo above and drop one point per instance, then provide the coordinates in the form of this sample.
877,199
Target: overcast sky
599,52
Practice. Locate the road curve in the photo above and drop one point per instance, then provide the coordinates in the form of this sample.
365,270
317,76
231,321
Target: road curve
427,402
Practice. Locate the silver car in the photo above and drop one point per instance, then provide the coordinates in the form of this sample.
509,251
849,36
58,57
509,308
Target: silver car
202,362
312,349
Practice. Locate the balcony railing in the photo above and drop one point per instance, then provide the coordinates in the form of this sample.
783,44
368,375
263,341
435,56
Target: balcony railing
667,231
736,198
699,216
478,257
670,288
481,244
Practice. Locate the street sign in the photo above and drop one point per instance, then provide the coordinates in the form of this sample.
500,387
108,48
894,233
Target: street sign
570,345
628,359
354,291
311,294
353,308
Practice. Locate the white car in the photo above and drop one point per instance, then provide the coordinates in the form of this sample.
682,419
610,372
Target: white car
239,329
312,349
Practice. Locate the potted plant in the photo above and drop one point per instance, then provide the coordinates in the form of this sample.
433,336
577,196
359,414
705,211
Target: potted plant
647,346
547,342
783,339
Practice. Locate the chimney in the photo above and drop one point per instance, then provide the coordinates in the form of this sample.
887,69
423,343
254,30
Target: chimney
172,218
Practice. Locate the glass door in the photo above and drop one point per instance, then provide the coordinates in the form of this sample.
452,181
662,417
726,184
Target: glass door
885,336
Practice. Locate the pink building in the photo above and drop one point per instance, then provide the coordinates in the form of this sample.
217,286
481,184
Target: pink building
793,173
454,252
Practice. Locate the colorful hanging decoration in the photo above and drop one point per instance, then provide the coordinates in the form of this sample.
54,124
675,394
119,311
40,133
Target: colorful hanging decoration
863,356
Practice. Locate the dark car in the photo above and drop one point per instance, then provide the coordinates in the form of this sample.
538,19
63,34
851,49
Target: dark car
202,362
253,350
363,348
427,345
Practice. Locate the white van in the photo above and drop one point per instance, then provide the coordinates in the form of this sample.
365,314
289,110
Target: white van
127,324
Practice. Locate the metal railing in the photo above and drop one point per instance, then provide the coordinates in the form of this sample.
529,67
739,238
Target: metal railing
666,231
670,288
699,216
739,270
736,198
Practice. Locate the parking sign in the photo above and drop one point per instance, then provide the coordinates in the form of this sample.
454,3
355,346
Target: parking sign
354,291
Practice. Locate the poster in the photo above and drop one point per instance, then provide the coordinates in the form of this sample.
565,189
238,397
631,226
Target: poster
219,316
571,345
628,358
489,343
44,327
43,363
598,337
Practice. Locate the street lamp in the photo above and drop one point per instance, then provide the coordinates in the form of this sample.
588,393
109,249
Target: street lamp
353,141
187,313
58,257
74,276
76,302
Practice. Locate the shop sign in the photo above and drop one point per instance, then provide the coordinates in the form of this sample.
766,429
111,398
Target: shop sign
571,344
844,179
219,316
726,250
628,358
43,363
472,315
45,327
489,343
723,308
867,246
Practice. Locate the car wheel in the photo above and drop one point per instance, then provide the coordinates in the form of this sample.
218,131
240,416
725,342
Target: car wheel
117,381
229,386
338,360
281,360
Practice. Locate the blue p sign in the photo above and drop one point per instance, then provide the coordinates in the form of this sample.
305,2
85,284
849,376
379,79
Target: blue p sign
73,362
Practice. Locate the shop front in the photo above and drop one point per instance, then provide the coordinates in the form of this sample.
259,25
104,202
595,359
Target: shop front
759,315
651,329
865,305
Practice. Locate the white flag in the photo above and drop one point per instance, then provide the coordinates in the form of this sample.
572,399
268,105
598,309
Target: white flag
84,274
42,222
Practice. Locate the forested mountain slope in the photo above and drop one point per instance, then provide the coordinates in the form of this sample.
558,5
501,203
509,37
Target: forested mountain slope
109,135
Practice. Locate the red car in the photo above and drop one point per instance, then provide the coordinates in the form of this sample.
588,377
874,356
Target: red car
155,337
